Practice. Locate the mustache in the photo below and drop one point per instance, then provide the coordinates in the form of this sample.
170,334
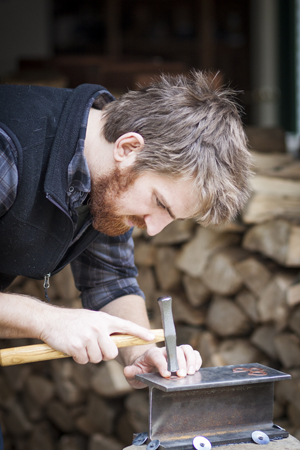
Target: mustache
137,221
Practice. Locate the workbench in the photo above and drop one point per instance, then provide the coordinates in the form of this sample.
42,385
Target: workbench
289,443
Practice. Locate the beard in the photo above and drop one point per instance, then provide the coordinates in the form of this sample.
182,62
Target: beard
104,193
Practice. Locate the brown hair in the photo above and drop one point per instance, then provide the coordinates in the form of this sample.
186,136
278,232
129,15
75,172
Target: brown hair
192,130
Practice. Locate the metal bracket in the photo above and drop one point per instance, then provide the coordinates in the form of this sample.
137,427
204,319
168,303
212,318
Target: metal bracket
224,404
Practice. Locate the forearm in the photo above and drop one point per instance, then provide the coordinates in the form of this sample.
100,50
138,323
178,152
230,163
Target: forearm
21,316
133,308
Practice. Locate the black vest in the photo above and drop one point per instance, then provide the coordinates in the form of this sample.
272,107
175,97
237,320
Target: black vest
44,124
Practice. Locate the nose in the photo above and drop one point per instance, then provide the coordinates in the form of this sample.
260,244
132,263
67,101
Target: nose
156,224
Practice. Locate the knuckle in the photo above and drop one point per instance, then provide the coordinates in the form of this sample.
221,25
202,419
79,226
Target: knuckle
81,359
111,354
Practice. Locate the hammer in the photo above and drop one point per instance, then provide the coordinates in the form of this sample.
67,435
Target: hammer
43,352
165,304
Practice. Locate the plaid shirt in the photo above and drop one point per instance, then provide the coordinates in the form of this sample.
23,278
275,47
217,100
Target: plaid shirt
105,270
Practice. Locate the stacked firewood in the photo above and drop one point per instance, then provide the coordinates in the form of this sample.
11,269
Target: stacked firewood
236,298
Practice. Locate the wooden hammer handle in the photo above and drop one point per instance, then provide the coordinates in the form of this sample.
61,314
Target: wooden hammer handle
42,352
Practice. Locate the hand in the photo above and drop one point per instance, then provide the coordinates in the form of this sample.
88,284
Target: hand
85,335
155,359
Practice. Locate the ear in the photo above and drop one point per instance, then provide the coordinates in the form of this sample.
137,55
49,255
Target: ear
127,147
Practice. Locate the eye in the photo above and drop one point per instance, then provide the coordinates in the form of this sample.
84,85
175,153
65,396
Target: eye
160,204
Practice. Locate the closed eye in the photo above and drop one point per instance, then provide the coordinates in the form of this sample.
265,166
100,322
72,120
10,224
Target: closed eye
160,204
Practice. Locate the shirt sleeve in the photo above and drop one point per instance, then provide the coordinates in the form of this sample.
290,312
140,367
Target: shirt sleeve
8,172
106,271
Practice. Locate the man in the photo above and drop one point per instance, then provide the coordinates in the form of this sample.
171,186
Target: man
78,170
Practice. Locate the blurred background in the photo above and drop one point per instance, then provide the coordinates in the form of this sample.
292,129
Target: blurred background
119,43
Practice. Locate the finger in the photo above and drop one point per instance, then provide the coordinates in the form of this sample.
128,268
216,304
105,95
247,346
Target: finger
94,352
116,324
130,372
157,358
81,356
182,363
186,360
190,358
108,348
198,360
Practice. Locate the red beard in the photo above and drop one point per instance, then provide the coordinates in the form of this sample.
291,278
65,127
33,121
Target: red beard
103,197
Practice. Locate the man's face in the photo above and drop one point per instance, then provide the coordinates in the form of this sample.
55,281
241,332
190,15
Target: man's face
123,199
104,194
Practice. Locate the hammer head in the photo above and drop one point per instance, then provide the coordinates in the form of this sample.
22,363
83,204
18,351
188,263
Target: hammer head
165,304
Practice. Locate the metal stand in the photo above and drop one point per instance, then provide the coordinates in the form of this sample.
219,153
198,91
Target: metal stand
223,404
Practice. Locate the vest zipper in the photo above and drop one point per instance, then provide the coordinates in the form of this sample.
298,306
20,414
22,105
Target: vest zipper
46,285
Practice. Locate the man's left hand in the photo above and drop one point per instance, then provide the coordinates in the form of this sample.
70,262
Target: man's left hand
155,359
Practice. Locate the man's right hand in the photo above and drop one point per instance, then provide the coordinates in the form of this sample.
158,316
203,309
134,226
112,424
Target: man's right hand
85,335
80,333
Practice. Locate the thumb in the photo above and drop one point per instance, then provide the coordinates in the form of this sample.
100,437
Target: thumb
131,371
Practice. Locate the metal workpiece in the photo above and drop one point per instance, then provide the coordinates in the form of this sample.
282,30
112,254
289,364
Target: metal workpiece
222,404
165,304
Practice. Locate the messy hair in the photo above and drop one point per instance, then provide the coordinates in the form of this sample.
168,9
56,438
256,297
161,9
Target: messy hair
192,130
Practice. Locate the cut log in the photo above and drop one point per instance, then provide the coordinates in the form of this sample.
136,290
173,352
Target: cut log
101,414
193,257
288,391
270,239
226,319
60,416
167,274
184,313
288,349
272,198
248,303
254,274
175,233
208,346
16,421
272,305
124,431
294,321
109,380
237,351
137,406
220,274
263,338
278,239
275,186
265,207
144,254
71,442
147,283
293,254
40,389
293,413
293,295
196,291
69,392
42,437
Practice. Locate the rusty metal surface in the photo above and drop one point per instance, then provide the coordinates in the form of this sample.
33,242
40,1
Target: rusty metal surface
221,403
